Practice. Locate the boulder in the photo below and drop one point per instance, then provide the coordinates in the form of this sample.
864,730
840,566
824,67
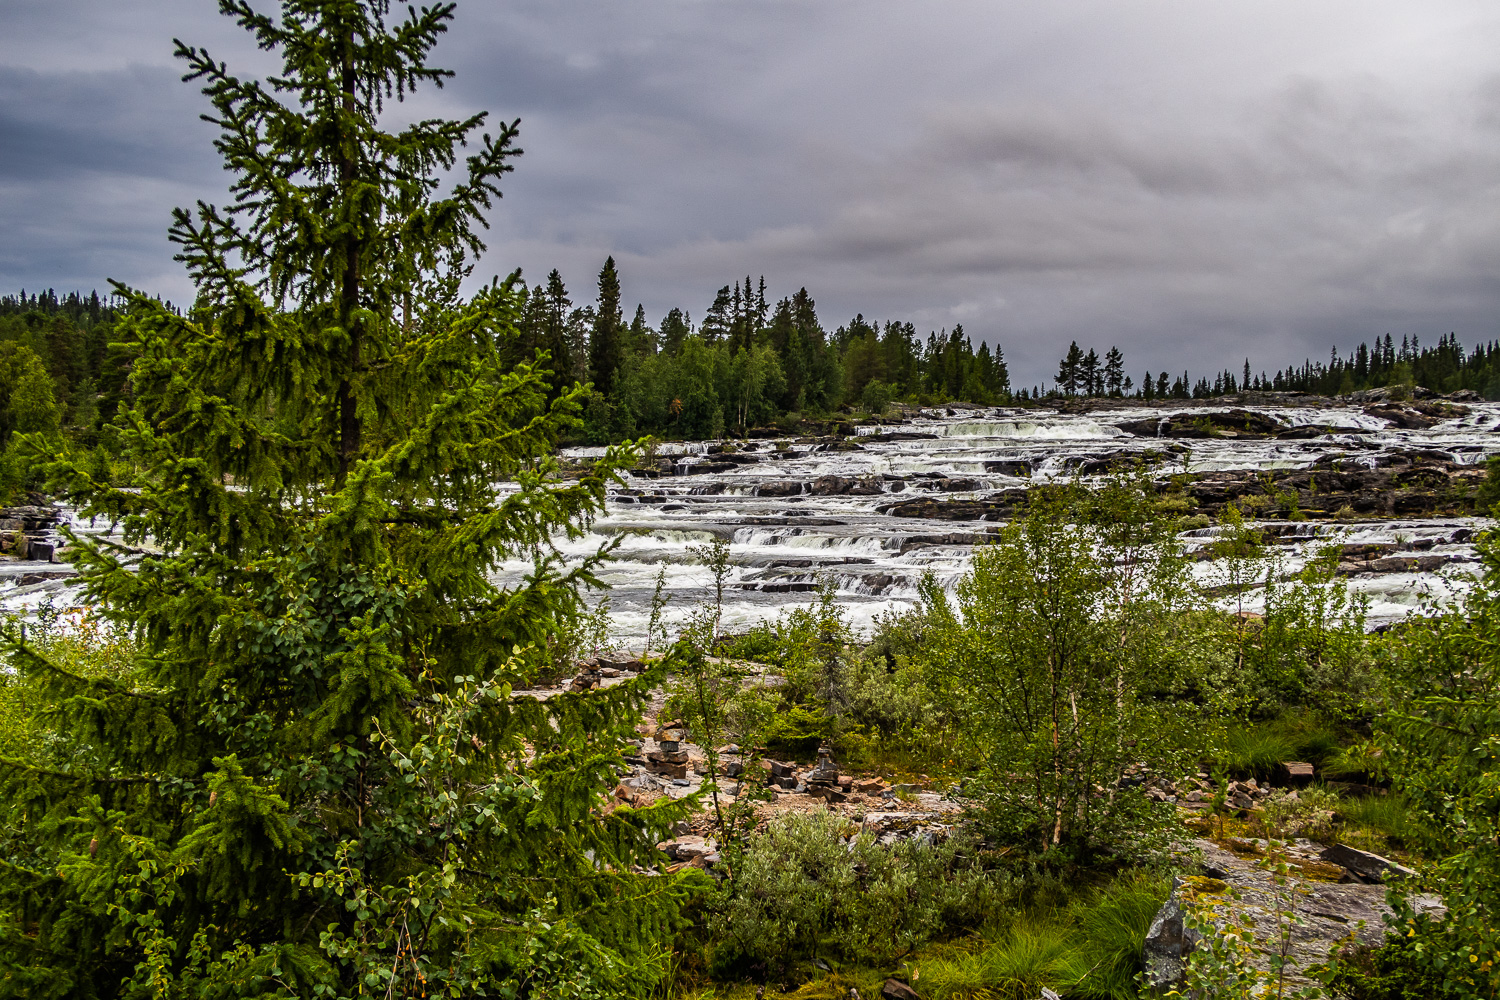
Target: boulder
1408,419
841,486
895,989
783,488
1371,868
1297,772
1167,947
704,468
40,551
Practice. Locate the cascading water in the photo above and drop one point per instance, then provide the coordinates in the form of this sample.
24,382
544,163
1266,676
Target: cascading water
799,514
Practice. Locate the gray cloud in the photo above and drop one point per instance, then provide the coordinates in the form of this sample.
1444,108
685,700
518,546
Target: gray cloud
1195,183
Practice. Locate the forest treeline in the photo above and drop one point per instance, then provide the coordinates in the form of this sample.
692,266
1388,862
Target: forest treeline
747,362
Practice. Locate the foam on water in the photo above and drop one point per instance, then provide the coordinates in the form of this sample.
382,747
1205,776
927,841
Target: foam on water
782,547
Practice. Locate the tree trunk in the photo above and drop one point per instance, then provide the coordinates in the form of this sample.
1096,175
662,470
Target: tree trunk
349,429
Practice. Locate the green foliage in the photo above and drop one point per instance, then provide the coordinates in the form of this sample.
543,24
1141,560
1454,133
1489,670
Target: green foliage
1240,956
1388,815
1087,947
876,397
1060,667
312,776
1488,493
1400,968
1260,748
27,405
1437,724
809,887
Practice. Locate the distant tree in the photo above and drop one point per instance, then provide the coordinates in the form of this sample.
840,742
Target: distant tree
1090,377
642,339
555,334
1069,370
606,341
676,326
1114,372
718,322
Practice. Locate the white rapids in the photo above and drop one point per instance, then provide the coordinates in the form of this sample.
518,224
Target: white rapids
782,548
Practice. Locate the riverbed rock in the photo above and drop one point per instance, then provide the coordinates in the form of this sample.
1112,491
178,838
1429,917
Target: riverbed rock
1230,423
843,486
779,488
1168,945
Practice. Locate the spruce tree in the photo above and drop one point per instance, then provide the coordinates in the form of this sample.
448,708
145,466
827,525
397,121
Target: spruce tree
316,776
555,337
1114,371
606,341
1069,370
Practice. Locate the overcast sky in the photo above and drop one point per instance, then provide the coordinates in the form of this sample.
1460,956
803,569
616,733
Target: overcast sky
1194,182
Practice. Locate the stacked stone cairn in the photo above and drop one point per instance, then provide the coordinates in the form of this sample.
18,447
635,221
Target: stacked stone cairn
823,780
669,758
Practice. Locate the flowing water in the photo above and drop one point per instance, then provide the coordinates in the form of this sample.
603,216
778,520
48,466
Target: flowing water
783,547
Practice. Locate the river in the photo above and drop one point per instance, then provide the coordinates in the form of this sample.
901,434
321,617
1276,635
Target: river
767,499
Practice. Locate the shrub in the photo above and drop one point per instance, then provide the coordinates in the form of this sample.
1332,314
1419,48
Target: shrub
1060,662
813,886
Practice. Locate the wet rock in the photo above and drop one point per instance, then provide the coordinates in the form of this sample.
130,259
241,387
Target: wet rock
40,551
1019,467
840,486
946,538
1403,417
1231,423
704,468
781,488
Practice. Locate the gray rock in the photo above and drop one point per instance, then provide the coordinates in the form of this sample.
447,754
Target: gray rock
895,989
1369,867
1322,914
1168,945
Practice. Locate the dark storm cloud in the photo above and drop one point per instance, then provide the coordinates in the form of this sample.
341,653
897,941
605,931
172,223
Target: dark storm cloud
1194,183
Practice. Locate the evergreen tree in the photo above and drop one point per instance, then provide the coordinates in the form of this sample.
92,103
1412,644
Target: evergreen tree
675,328
1068,370
314,778
642,337
555,339
718,322
1090,377
606,342
1114,371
